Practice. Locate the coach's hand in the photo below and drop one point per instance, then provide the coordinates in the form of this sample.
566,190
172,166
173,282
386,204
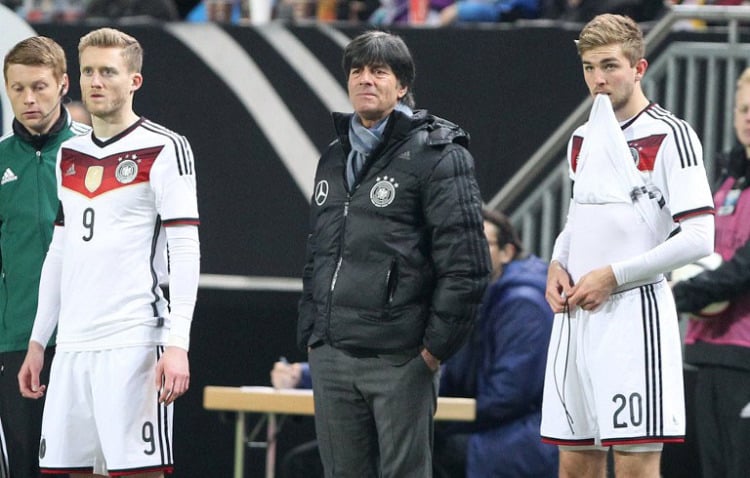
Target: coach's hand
28,376
172,374
432,362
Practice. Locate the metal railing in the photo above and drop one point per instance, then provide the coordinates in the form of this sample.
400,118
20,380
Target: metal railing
694,80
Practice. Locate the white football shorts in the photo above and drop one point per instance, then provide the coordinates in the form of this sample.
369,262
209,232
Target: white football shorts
614,375
102,414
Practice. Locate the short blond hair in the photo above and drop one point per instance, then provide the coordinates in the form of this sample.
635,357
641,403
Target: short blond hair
744,78
610,29
37,51
111,38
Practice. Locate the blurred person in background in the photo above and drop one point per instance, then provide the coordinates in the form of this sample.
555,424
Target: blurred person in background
719,346
291,375
467,11
584,10
396,12
502,367
164,10
302,461
78,112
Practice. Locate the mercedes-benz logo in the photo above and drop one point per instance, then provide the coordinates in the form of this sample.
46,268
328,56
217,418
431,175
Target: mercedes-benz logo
321,192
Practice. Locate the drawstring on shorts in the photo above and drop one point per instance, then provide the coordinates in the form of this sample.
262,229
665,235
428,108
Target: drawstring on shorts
561,393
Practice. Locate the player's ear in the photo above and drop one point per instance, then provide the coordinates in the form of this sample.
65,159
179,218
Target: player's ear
136,82
640,68
64,84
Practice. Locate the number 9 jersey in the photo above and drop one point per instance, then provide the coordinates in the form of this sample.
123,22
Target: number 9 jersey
116,198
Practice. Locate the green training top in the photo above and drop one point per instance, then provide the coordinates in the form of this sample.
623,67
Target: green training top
28,206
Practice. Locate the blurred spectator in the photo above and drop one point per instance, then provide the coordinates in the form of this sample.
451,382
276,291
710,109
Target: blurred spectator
295,10
78,112
302,461
342,10
502,366
397,12
291,375
35,11
114,9
184,6
489,11
698,24
357,10
719,346
584,10
241,11
689,24
215,11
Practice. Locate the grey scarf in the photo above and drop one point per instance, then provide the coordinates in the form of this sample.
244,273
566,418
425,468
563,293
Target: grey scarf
364,141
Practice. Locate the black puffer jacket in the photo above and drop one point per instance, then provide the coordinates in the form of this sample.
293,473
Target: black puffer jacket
401,261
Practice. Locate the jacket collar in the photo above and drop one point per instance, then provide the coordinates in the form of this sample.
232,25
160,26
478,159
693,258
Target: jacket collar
39,140
399,126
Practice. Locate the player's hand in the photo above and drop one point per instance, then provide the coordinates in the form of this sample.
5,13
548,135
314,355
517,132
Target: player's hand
286,375
172,374
559,284
593,289
28,376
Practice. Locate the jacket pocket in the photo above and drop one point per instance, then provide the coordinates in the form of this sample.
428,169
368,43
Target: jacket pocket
366,286
391,281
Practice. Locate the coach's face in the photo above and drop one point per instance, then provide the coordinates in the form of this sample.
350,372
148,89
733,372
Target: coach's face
107,85
374,92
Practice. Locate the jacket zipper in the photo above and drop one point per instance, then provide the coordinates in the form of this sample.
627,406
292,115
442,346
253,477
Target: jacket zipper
38,189
338,267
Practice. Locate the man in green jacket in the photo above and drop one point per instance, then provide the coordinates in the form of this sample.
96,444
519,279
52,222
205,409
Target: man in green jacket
36,83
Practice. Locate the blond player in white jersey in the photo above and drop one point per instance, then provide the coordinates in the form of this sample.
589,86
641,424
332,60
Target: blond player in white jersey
641,206
126,191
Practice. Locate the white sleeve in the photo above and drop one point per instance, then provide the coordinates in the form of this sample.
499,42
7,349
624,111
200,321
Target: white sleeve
174,184
560,251
48,308
695,240
184,272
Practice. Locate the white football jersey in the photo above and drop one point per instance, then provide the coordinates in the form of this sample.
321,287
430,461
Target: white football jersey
116,198
669,156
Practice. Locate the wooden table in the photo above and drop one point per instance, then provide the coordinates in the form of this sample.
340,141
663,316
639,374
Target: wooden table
272,402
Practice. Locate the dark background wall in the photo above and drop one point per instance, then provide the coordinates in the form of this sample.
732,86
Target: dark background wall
510,88
506,87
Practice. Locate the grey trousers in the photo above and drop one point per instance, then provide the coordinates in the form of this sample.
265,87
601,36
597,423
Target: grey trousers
373,414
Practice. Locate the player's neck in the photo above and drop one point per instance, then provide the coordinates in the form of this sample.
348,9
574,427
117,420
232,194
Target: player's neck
110,126
637,103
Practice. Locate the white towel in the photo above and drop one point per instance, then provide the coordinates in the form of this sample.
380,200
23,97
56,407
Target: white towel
606,171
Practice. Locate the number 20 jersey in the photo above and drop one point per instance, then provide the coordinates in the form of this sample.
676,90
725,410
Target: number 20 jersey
116,197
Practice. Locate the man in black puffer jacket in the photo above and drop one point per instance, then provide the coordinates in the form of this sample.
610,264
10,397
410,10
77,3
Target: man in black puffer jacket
396,265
